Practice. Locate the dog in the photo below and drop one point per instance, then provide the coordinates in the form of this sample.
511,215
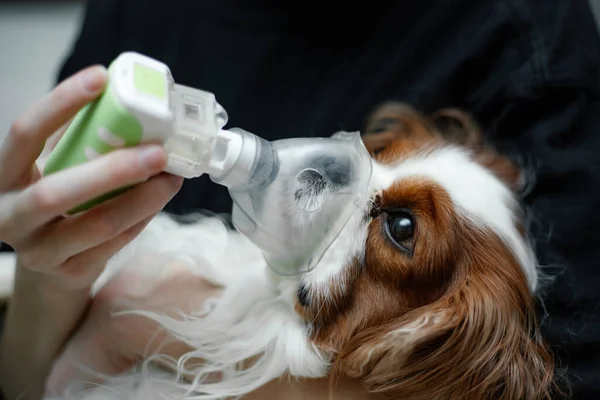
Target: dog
429,291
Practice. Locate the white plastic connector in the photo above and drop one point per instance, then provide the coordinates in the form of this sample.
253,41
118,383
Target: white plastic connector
240,151
195,132
227,150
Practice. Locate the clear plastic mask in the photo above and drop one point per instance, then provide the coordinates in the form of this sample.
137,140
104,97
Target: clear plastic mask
292,197
299,196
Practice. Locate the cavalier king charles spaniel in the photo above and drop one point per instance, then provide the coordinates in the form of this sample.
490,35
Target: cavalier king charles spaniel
429,292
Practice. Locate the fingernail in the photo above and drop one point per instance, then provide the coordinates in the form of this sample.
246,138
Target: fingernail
153,157
176,180
94,79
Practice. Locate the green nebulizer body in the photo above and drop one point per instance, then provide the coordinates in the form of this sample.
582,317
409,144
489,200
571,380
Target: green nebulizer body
142,104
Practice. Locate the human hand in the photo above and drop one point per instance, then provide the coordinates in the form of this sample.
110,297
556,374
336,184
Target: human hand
71,252
60,257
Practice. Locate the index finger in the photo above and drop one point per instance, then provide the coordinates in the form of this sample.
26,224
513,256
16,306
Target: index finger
29,132
57,193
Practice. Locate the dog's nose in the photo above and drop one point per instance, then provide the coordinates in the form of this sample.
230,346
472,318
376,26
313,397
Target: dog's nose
337,171
326,175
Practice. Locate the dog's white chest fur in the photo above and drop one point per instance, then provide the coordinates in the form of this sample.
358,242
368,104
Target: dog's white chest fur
254,318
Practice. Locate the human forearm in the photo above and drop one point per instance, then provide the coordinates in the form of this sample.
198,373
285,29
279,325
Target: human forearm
40,318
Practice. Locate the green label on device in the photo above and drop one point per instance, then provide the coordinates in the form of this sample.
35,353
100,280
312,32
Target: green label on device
150,81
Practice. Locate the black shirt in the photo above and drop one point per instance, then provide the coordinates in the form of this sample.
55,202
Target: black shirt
529,71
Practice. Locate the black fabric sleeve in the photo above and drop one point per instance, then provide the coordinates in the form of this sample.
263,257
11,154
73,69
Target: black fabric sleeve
557,128
548,115
100,38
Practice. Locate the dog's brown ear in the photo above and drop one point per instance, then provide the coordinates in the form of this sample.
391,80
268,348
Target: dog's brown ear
505,169
458,127
394,121
480,340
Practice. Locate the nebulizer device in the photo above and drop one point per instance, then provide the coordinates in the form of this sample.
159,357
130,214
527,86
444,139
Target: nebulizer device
291,197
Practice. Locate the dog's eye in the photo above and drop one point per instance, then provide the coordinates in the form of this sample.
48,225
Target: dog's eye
400,228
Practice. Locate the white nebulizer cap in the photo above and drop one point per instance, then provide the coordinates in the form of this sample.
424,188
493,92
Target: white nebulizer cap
192,146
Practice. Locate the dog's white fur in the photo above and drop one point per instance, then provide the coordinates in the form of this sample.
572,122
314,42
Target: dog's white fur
255,315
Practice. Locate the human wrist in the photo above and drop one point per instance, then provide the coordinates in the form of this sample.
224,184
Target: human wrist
37,305
53,284
40,301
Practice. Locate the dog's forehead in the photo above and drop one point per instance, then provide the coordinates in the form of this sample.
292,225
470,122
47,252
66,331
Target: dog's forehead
474,190
476,193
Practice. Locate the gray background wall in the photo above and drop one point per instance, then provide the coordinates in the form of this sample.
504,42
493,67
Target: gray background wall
33,41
